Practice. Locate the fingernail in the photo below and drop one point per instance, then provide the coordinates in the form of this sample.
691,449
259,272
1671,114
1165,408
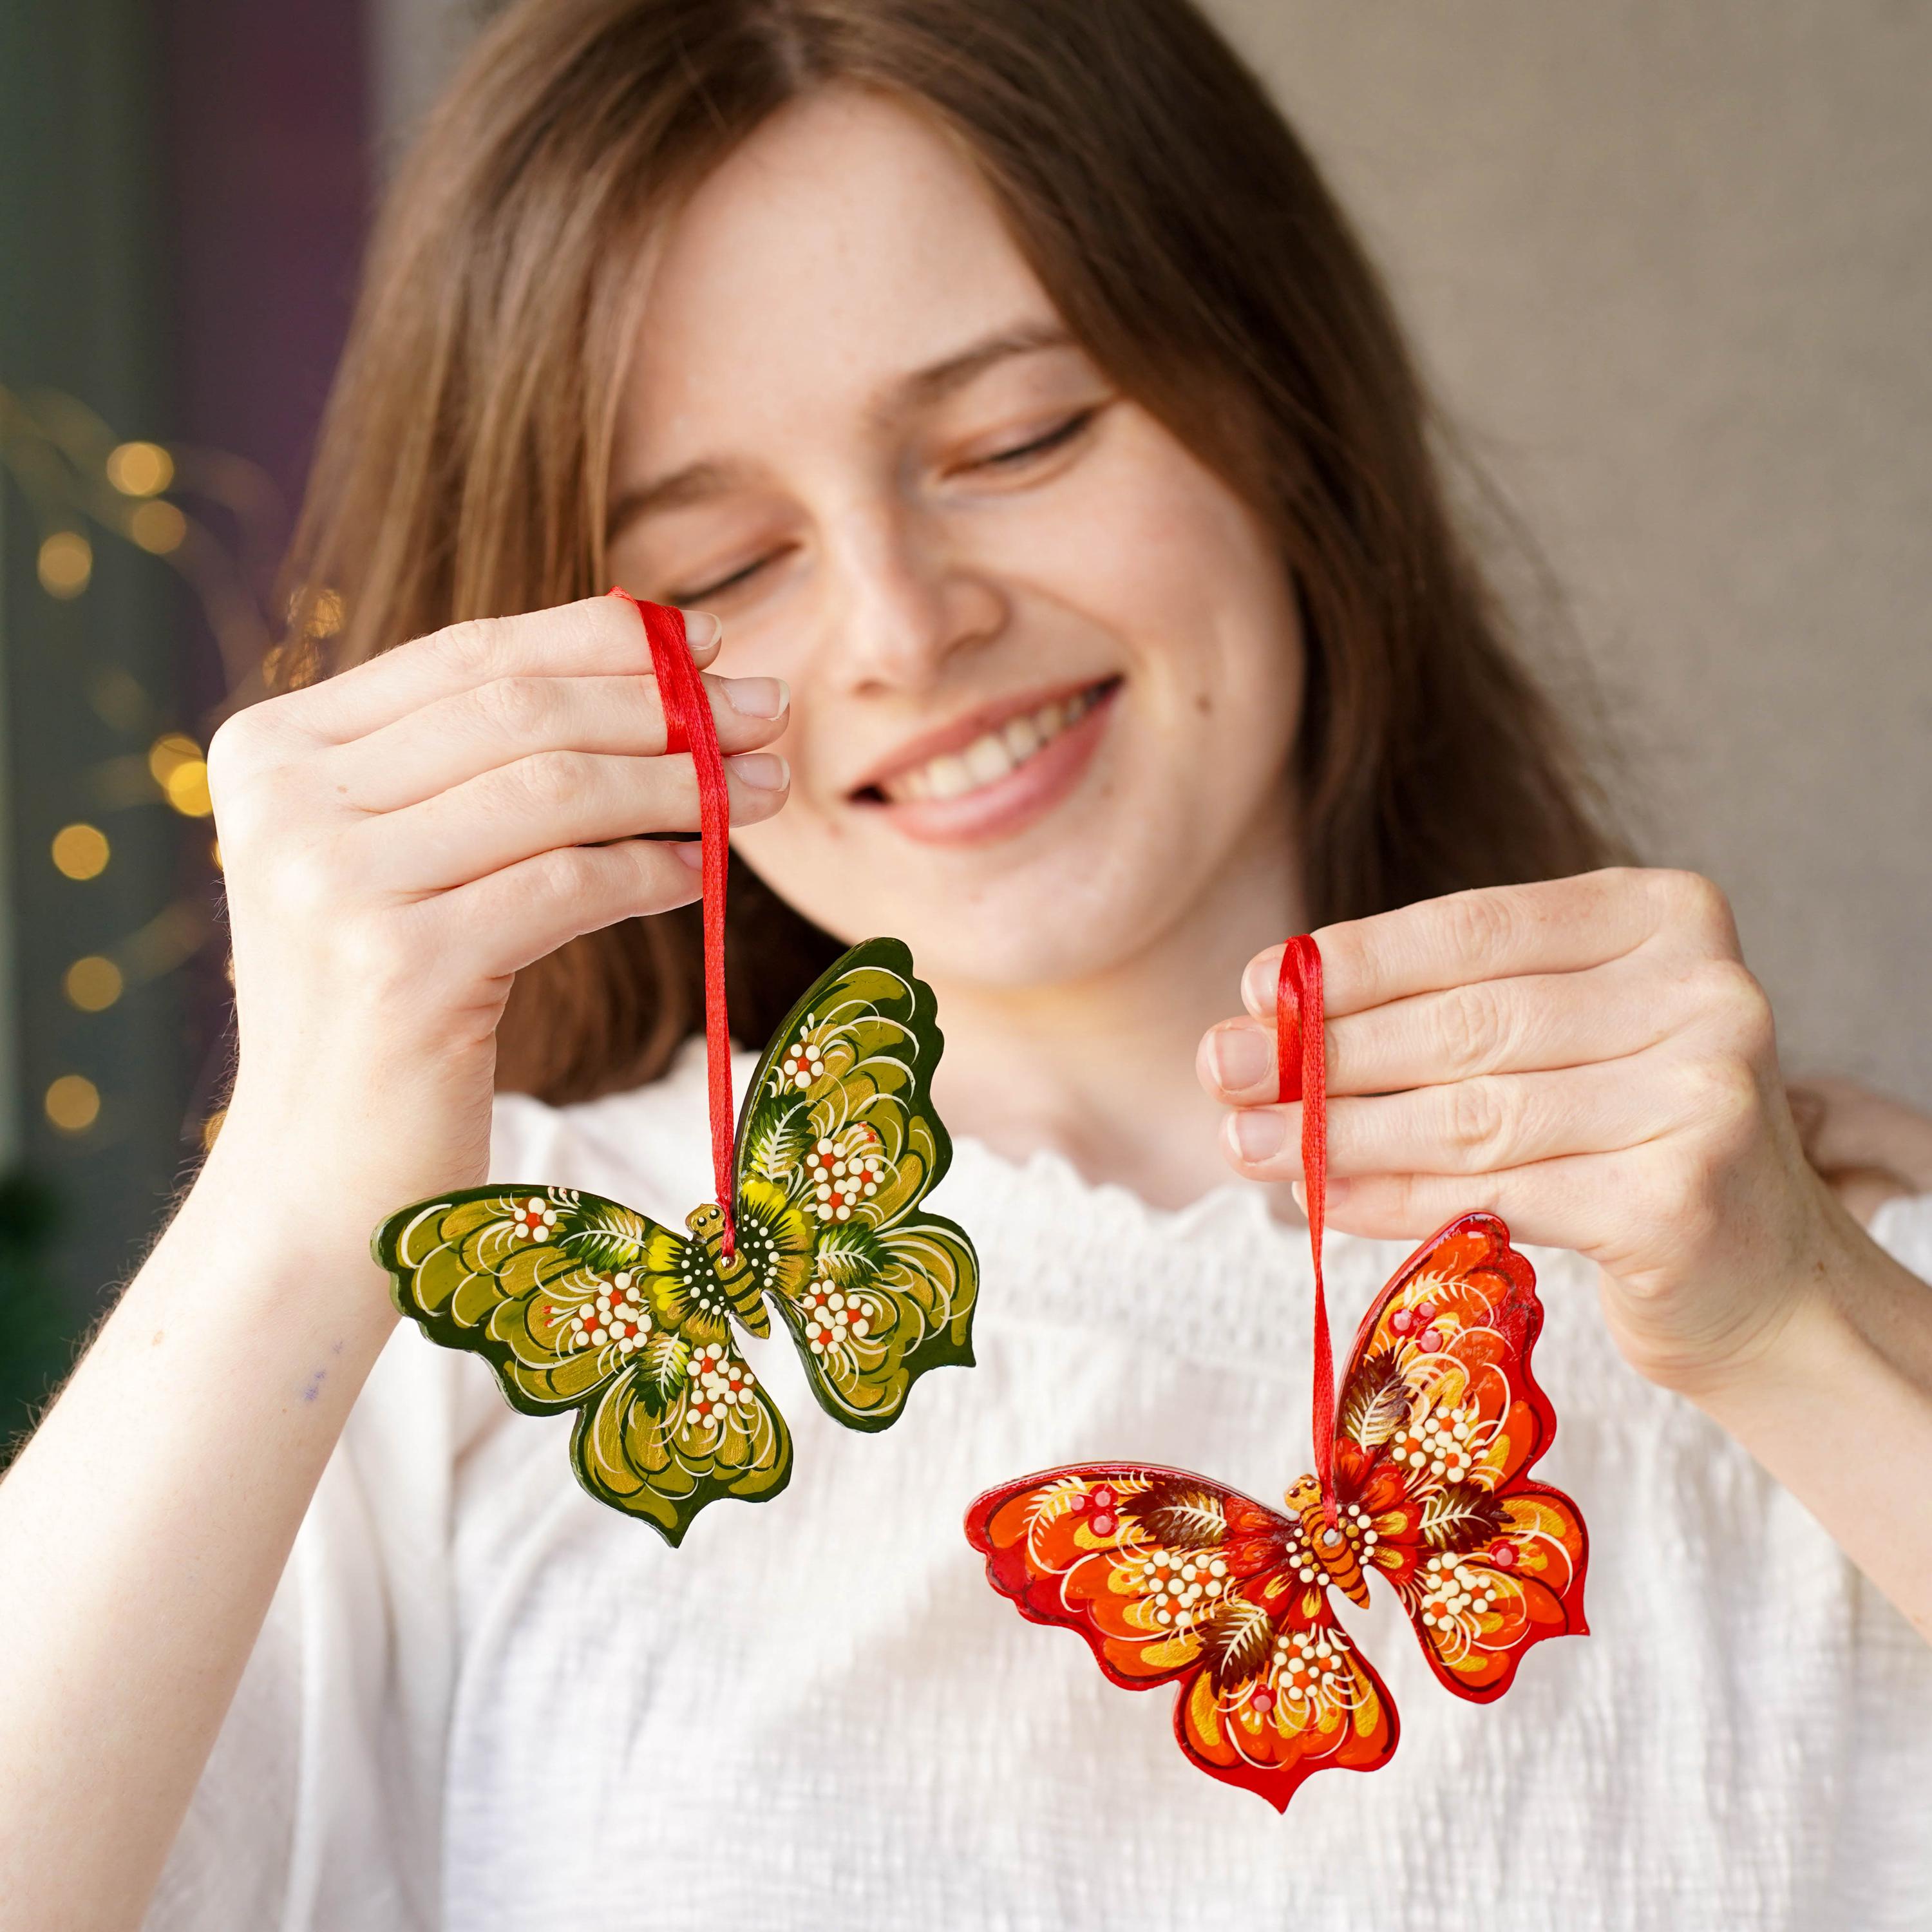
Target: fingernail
691,851
700,626
1241,1056
1261,981
762,771
1259,1134
757,697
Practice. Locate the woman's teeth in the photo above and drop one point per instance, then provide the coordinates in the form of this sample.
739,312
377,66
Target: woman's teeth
993,753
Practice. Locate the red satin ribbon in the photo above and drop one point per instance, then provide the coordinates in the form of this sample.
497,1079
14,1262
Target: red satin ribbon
689,727
1303,1068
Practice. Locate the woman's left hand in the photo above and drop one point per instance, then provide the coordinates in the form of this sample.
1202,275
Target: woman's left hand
1587,1058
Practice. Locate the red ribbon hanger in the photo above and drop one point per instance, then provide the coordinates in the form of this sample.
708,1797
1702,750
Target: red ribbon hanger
690,727
1302,1059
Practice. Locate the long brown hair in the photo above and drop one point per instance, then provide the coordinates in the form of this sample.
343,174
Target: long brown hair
1187,238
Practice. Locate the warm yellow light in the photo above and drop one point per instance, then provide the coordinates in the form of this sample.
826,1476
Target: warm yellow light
187,788
140,468
80,851
318,612
170,751
93,984
215,852
158,527
73,1103
66,563
180,770
325,620
211,1127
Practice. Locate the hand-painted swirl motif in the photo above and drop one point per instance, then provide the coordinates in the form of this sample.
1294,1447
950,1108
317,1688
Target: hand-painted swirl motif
580,1303
1171,1578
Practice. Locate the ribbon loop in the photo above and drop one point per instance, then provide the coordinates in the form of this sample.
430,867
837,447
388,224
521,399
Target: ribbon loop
1302,1073
689,727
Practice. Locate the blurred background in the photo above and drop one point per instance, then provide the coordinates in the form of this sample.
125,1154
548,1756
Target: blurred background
1671,268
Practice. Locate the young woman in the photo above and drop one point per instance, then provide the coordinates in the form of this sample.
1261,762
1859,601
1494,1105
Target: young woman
997,383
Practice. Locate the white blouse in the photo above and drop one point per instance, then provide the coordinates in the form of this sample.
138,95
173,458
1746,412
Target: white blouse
485,1701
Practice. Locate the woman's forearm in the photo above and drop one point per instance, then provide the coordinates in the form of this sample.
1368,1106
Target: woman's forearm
147,1522
1839,1409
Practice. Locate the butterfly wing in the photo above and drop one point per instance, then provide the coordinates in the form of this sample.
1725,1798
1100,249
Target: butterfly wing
1438,1423
838,1147
579,1303
1169,1578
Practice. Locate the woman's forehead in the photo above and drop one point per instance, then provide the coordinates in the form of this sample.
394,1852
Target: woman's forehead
845,248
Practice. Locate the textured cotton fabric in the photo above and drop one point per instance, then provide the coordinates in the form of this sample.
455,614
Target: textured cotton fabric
486,1702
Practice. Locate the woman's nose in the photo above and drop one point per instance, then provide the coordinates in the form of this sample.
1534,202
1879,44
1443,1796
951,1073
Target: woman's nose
911,601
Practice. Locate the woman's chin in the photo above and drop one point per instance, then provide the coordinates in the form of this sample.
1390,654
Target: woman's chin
1048,924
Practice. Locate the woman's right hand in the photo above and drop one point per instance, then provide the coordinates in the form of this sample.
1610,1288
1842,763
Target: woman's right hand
399,840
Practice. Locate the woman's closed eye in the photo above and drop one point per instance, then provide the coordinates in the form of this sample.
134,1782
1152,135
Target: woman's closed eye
703,594
1003,462
1062,433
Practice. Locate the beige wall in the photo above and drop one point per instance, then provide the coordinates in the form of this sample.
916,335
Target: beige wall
1671,265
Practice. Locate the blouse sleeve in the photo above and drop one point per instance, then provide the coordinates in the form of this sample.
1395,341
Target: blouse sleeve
1903,1227
320,1806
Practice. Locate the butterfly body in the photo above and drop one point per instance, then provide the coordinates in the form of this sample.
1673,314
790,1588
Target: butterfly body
1172,1578
582,1304
744,1283
1336,1545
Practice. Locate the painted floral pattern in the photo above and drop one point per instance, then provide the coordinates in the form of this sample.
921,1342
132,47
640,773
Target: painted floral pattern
580,1303
1170,1577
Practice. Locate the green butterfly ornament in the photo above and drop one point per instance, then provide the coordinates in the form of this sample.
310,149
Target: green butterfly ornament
579,1303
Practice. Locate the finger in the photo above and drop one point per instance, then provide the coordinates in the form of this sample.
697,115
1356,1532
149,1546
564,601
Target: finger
527,910
1237,1063
1844,1126
1488,1026
549,800
1556,925
1556,1203
1471,1127
458,738
600,637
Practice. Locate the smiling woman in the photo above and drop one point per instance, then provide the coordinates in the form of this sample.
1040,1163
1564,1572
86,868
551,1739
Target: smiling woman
1082,606
904,551
1118,379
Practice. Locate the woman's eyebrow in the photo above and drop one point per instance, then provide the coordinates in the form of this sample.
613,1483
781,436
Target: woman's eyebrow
696,482
937,379
691,484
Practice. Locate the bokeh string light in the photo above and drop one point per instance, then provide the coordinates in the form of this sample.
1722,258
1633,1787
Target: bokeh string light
81,851
82,484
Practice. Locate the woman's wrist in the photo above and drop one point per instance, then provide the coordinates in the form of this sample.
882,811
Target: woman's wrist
283,1213
1855,1316
395,1129
1842,1390
245,1276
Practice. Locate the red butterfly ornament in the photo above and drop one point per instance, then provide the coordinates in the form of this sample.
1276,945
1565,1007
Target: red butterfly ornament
1422,1477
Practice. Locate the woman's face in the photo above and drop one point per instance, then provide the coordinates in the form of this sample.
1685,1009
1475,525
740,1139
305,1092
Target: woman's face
1044,667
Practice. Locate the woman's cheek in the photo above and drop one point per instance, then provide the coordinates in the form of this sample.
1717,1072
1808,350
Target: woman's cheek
1199,578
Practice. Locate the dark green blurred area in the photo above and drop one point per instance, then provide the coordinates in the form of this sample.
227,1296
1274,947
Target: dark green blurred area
87,682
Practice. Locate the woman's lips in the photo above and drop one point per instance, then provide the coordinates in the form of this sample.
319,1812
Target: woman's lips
1008,804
